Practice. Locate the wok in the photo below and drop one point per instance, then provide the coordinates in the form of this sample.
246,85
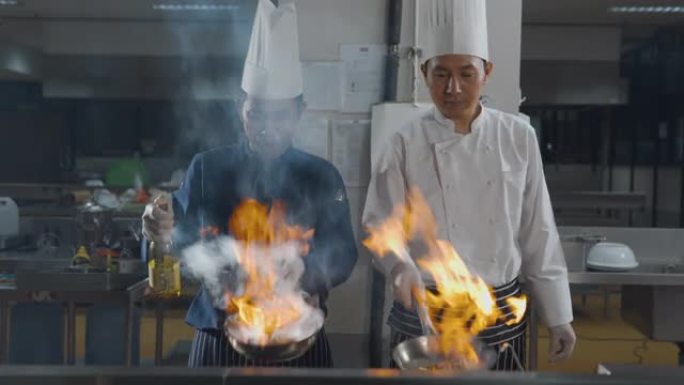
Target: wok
275,352
423,353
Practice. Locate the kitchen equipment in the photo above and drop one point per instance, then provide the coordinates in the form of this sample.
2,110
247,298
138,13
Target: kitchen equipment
66,281
423,353
608,256
576,249
275,352
81,258
130,266
425,321
164,270
7,281
9,220
95,225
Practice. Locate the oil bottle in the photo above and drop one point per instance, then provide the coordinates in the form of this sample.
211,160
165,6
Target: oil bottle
164,267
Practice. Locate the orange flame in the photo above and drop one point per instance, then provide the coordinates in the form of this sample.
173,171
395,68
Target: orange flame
518,308
254,223
464,304
260,310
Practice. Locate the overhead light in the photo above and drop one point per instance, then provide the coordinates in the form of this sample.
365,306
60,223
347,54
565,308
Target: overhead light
193,7
647,9
9,3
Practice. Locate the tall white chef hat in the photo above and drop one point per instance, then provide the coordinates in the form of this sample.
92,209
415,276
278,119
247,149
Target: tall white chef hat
272,68
452,27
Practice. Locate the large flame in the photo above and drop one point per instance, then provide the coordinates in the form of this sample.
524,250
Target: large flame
463,304
269,307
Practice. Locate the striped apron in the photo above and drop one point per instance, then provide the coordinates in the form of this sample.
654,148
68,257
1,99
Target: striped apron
210,348
405,324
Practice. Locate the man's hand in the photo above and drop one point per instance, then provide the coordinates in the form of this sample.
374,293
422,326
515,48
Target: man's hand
562,343
157,220
407,285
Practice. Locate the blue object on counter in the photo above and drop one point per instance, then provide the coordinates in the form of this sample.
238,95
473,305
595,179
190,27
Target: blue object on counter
7,281
105,337
37,334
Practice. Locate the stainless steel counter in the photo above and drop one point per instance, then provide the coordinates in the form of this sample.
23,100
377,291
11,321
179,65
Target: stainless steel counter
172,376
645,275
628,370
642,281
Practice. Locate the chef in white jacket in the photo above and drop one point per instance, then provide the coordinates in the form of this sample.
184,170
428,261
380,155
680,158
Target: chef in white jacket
481,172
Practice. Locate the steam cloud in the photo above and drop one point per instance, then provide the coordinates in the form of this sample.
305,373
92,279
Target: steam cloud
218,266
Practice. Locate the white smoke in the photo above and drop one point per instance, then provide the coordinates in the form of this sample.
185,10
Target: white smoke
208,262
217,266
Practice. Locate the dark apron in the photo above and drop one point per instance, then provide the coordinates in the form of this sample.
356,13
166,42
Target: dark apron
210,348
405,325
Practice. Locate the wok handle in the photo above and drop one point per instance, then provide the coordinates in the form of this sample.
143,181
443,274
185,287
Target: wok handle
425,321
506,346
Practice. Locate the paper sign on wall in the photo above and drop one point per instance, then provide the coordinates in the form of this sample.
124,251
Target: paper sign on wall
364,68
351,151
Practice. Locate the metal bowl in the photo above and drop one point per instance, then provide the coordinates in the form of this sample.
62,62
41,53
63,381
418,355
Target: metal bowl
273,353
423,353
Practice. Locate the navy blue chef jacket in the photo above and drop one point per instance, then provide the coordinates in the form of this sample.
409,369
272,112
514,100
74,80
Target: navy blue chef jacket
314,196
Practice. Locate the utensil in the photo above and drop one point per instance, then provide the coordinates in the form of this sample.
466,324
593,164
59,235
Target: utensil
608,256
95,224
423,353
274,352
425,322
506,346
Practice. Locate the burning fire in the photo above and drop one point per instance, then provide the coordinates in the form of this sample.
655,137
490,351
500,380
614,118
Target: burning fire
463,304
254,224
268,307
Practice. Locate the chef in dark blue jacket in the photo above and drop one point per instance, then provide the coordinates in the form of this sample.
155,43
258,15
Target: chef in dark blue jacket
264,167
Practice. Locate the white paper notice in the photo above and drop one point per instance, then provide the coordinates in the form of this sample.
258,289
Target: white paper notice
323,89
364,68
313,135
351,151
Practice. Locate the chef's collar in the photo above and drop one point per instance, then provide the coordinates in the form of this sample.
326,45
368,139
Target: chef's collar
254,157
444,121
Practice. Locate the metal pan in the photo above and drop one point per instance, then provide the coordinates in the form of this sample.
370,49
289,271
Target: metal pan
276,352
423,353
273,353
